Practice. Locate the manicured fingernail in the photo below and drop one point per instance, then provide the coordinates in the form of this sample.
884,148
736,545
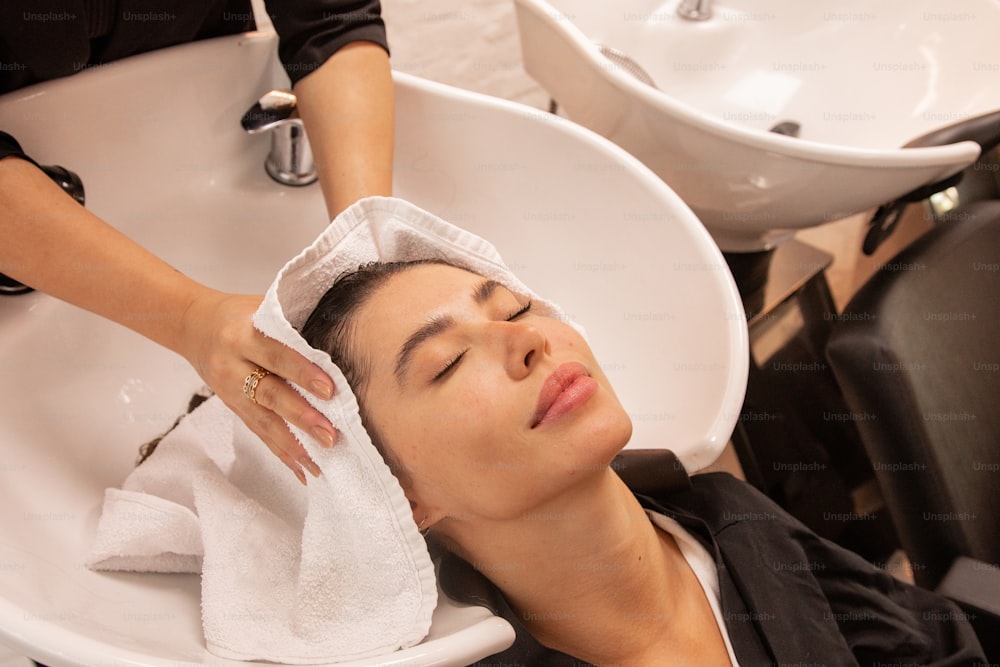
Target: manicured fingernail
301,475
325,437
321,389
312,467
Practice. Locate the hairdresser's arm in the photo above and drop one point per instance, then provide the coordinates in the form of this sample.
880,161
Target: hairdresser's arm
56,246
347,107
337,57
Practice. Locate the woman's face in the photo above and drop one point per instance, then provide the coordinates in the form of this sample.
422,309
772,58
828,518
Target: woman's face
489,408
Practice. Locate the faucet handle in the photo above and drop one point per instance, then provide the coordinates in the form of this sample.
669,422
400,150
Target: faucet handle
290,161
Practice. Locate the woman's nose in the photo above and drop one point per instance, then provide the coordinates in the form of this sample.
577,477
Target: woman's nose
526,345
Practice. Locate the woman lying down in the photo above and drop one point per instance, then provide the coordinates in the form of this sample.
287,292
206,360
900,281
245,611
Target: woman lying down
501,428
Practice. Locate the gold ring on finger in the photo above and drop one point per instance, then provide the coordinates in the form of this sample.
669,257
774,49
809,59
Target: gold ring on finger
251,382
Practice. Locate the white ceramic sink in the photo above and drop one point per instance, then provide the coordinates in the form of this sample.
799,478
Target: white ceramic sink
861,80
157,142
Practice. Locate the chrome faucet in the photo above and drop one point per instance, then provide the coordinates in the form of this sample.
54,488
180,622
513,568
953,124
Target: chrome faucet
695,10
290,161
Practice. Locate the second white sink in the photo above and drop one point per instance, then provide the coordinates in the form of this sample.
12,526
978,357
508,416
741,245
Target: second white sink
860,80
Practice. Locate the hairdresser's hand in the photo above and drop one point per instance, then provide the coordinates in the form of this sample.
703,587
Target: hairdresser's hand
222,344
40,226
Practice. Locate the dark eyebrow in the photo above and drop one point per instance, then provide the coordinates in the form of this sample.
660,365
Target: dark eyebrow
485,290
437,326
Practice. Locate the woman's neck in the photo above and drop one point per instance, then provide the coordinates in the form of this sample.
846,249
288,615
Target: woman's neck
590,575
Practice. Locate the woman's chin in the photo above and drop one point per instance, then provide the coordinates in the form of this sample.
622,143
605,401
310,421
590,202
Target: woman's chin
604,442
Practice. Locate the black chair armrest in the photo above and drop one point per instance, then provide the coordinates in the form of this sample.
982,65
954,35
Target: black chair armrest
983,129
975,587
651,472
973,584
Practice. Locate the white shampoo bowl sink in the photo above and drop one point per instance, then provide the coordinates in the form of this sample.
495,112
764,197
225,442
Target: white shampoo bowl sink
861,80
158,144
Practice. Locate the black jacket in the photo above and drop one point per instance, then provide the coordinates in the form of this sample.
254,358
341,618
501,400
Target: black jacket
789,597
55,38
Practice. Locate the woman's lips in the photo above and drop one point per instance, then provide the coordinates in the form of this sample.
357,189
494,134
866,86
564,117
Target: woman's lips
569,386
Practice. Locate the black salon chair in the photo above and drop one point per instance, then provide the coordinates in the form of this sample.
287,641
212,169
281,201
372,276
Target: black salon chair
917,355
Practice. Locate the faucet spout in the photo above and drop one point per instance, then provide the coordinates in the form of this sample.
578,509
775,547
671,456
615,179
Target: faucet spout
290,161
695,10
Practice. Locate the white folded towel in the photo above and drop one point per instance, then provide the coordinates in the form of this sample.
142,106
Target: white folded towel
330,572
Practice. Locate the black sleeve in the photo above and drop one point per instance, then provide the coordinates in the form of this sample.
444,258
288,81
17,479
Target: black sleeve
819,599
10,147
881,616
310,31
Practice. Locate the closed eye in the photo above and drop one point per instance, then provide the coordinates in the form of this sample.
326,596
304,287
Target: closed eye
518,313
449,367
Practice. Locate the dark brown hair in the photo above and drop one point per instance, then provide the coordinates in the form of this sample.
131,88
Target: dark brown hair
330,328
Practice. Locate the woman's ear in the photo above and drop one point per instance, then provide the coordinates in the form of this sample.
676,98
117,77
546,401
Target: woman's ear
420,516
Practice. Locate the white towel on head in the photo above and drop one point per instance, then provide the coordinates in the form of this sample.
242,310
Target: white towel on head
330,572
